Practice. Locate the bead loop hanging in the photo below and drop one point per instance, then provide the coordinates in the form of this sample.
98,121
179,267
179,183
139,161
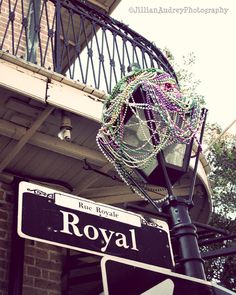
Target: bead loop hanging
169,118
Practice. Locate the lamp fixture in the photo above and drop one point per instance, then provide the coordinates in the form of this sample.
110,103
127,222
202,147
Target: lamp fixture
147,134
65,129
148,123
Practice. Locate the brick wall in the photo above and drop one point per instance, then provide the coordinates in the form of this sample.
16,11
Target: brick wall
42,269
13,34
6,209
42,262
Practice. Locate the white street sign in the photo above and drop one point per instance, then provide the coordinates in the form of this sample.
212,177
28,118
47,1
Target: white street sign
166,287
65,220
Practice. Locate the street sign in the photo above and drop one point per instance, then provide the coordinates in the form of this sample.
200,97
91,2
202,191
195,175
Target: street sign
121,276
69,221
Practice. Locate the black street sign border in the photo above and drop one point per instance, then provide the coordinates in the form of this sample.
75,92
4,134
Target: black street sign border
153,268
22,188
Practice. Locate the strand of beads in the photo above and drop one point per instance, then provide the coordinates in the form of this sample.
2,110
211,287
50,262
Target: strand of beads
169,118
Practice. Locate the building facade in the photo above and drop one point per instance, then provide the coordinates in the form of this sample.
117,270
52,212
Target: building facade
58,61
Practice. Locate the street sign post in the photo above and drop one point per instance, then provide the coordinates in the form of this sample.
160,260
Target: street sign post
121,276
68,221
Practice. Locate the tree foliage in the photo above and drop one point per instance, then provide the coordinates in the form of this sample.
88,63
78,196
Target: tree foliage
222,159
187,81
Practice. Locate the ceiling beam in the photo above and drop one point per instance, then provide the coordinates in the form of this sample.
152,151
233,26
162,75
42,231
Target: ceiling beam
124,192
20,80
53,144
26,137
31,111
100,5
131,197
89,181
103,191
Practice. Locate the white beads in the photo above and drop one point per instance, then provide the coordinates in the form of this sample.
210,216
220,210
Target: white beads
169,118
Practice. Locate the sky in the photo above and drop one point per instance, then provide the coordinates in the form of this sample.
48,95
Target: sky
204,27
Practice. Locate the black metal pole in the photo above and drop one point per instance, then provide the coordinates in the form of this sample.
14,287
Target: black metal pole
16,267
194,174
57,55
183,231
184,238
166,216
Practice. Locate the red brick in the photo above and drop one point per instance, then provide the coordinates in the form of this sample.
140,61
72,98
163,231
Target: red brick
47,246
31,250
2,274
33,271
7,206
3,214
7,187
3,264
3,286
41,260
4,244
33,291
47,264
55,276
44,284
55,257
2,195
45,274
3,253
10,198
29,260
28,281
4,224
2,192
3,234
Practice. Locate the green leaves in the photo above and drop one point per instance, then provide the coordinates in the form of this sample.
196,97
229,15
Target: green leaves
222,158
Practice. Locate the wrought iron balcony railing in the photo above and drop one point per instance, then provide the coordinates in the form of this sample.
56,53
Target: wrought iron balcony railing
74,39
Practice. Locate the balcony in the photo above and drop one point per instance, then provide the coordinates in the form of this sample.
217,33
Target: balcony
61,59
58,62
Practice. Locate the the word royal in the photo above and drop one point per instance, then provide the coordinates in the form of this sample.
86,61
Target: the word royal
71,226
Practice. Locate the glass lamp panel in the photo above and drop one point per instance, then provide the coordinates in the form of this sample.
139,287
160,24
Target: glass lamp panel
136,133
151,167
137,137
174,154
